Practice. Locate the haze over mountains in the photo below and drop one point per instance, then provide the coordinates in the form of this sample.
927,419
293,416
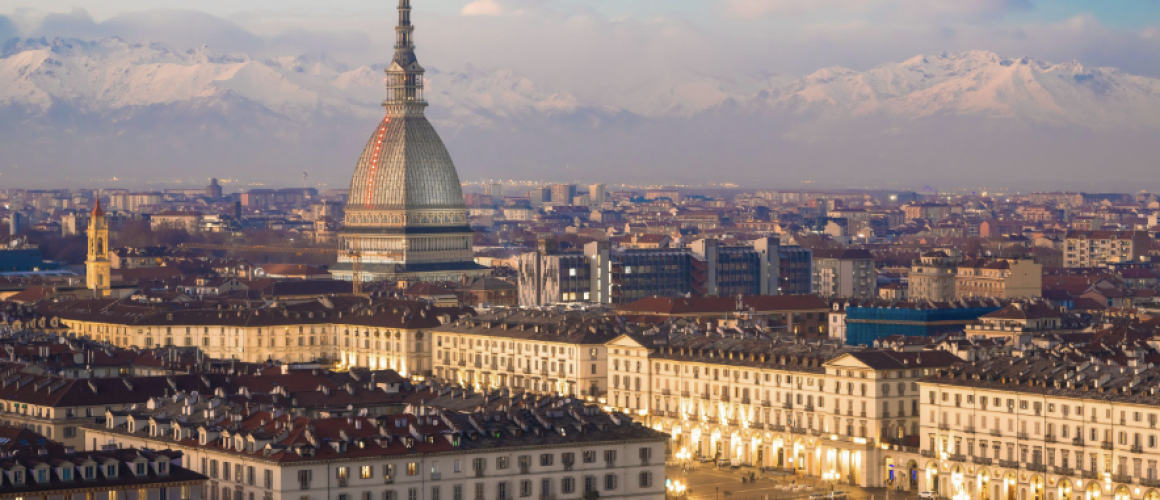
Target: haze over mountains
88,111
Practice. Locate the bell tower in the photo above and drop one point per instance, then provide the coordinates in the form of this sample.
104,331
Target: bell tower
97,266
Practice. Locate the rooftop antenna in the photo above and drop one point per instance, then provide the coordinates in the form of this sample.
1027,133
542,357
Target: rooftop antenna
304,176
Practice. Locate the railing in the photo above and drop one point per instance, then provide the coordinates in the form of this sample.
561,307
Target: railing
944,427
1118,478
955,457
765,404
684,394
665,392
524,468
981,460
1009,464
809,407
775,427
342,481
1034,467
1077,441
1021,435
478,473
1063,471
1150,482
1089,474
745,401
797,430
996,433
969,429
1107,445
711,420
863,414
436,475
788,406
388,479
734,422
928,453
1049,438
1137,448
568,465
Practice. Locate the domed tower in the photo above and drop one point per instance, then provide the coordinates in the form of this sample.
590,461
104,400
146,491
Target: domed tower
405,216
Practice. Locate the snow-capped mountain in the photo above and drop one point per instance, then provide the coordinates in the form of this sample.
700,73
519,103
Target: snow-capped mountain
92,110
112,74
972,83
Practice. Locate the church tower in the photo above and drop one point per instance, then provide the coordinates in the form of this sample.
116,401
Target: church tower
405,216
97,266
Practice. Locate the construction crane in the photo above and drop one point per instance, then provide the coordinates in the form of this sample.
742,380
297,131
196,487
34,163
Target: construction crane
355,256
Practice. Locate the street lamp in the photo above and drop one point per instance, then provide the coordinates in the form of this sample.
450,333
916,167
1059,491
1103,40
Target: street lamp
831,477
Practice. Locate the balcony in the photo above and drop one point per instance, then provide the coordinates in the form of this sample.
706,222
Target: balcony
388,479
665,392
797,430
775,427
1089,474
1151,483
1021,435
568,465
725,398
745,401
711,420
1137,448
956,457
478,473
1107,445
981,460
1009,464
944,427
684,394
734,422
996,433
788,406
524,468
1034,467
1049,438
1077,441
970,429
435,476
765,404
928,453
1118,478
1063,471
809,407
342,482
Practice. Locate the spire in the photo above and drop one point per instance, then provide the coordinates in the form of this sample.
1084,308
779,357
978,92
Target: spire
405,75
97,210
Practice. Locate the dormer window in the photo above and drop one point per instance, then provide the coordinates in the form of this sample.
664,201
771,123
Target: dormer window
162,467
42,475
90,472
140,468
110,471
17,477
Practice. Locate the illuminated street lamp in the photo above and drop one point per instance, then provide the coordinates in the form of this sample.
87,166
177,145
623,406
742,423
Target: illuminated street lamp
831,477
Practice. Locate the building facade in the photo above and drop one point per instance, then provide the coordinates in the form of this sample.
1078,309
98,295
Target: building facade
845,273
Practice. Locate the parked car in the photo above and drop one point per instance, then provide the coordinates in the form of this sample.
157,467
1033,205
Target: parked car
928,495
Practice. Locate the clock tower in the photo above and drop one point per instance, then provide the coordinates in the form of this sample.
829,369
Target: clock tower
97,266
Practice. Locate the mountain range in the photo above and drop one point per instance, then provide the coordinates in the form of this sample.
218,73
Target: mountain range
89,111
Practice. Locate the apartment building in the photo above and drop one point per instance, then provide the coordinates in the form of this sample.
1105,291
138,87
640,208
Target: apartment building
104,475
932,276
844,273
386,334
542,352
1041,426
811,408
604,274
558,449
998,279
1102,248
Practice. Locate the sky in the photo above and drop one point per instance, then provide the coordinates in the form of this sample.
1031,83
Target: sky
613,50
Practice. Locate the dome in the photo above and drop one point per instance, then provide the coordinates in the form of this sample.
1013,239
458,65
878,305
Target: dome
405,166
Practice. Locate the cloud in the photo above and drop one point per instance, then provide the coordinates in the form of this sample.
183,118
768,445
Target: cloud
482,8
7,28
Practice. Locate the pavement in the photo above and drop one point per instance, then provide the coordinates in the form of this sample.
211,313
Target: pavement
706,482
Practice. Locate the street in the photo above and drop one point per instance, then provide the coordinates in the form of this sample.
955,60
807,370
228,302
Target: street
705,482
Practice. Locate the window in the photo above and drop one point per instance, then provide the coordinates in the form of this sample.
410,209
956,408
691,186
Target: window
457,492
610,457
645,455
525,488
568,485
610,482
501,490
589,457
501,462
589,484
304,479
412,468
546,459
366,472
645,479
268,478
434,493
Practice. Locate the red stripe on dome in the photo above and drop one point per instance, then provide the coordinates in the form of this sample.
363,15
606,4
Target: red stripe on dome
375,159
